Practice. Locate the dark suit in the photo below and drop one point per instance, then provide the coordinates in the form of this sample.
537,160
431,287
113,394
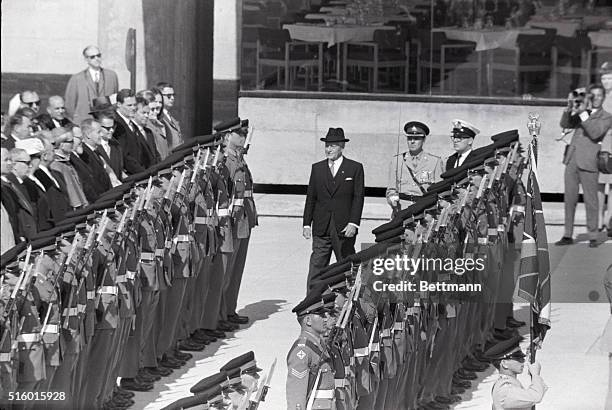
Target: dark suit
91,187
331,203
8,143
452,160
63,123
137,154
114,159
22,213
580,161
59,204
38,197
96,167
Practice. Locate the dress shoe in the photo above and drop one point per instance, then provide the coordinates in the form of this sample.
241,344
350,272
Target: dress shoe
464,384
201,333
126,394
457,390
512,322
566,240
148,374
593,243
145,378
135,385
481,357
112,406
122,402
466,375
201,339
182,356
190,346
160,371
434,405
504,334
215,333
171,363
240,320
443,400
224,326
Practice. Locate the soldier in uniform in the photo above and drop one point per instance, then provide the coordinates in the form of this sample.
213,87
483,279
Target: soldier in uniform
306,355
508,392
411,172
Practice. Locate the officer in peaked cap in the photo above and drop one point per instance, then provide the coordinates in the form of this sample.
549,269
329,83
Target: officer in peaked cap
508,392
462,137
305,356
412,171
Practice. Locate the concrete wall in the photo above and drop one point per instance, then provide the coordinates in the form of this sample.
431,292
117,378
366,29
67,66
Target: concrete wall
287,131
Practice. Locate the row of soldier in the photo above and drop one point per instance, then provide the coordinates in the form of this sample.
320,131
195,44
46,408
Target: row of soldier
364,348
125,286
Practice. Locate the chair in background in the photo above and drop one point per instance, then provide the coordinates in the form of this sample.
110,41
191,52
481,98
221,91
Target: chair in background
388,51
531,54
276,49
441,56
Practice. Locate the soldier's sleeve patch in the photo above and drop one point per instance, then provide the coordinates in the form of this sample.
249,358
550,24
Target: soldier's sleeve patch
299,375
301,355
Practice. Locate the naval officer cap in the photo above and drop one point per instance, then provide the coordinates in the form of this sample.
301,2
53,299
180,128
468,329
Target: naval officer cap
416,129
506,350
218,379
246,362
463,129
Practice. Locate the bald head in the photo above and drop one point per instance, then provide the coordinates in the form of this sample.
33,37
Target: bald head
56,108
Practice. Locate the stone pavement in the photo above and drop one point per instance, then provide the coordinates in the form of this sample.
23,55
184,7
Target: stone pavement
574,367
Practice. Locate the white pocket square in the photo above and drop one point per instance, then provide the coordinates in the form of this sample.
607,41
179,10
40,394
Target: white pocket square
349,179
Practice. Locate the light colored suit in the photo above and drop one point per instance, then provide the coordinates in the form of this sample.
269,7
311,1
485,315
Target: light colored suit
81,90
508,393
581,166
425,167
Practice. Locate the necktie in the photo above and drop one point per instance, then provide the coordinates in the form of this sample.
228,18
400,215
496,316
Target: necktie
331,168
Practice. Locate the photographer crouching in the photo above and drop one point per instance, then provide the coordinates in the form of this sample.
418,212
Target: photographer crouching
590,122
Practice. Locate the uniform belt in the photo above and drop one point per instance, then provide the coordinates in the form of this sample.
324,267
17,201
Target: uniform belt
399,326
73,311
130,274
375,347
492,231
5,357
28,337
324,394
361,352
81,308
109,290
408,197
238,201
501,228
248,194
182,238
518,208
51,329
91,294
168,244
385,333
147,256
121,278
340,383
202,220
160,252
223,212
483,241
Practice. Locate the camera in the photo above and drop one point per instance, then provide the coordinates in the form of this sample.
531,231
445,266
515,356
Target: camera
578,97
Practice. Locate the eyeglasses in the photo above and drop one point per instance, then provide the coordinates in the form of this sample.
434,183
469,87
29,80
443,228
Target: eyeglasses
35,156
110,129
169,95
30,104
23,162
91,57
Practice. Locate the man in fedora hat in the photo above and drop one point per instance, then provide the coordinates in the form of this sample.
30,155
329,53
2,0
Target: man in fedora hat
334,203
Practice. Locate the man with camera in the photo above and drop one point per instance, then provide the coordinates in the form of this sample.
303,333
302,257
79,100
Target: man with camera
585,115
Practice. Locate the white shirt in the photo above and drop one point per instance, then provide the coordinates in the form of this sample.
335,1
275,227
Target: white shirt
461,158
106,146
585,115
95,75
46,171
336,163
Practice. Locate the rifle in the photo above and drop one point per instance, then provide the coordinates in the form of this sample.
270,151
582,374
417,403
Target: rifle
353,298
247,143
311,396
260,395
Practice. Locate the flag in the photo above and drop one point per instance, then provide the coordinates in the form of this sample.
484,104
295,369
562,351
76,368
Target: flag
534,271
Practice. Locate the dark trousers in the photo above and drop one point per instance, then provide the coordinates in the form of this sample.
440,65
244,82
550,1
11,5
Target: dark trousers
322,247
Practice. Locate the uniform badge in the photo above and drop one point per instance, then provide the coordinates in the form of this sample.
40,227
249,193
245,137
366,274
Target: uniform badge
301,355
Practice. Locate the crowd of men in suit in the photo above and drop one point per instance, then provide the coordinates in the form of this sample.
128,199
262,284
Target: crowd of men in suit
123,243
